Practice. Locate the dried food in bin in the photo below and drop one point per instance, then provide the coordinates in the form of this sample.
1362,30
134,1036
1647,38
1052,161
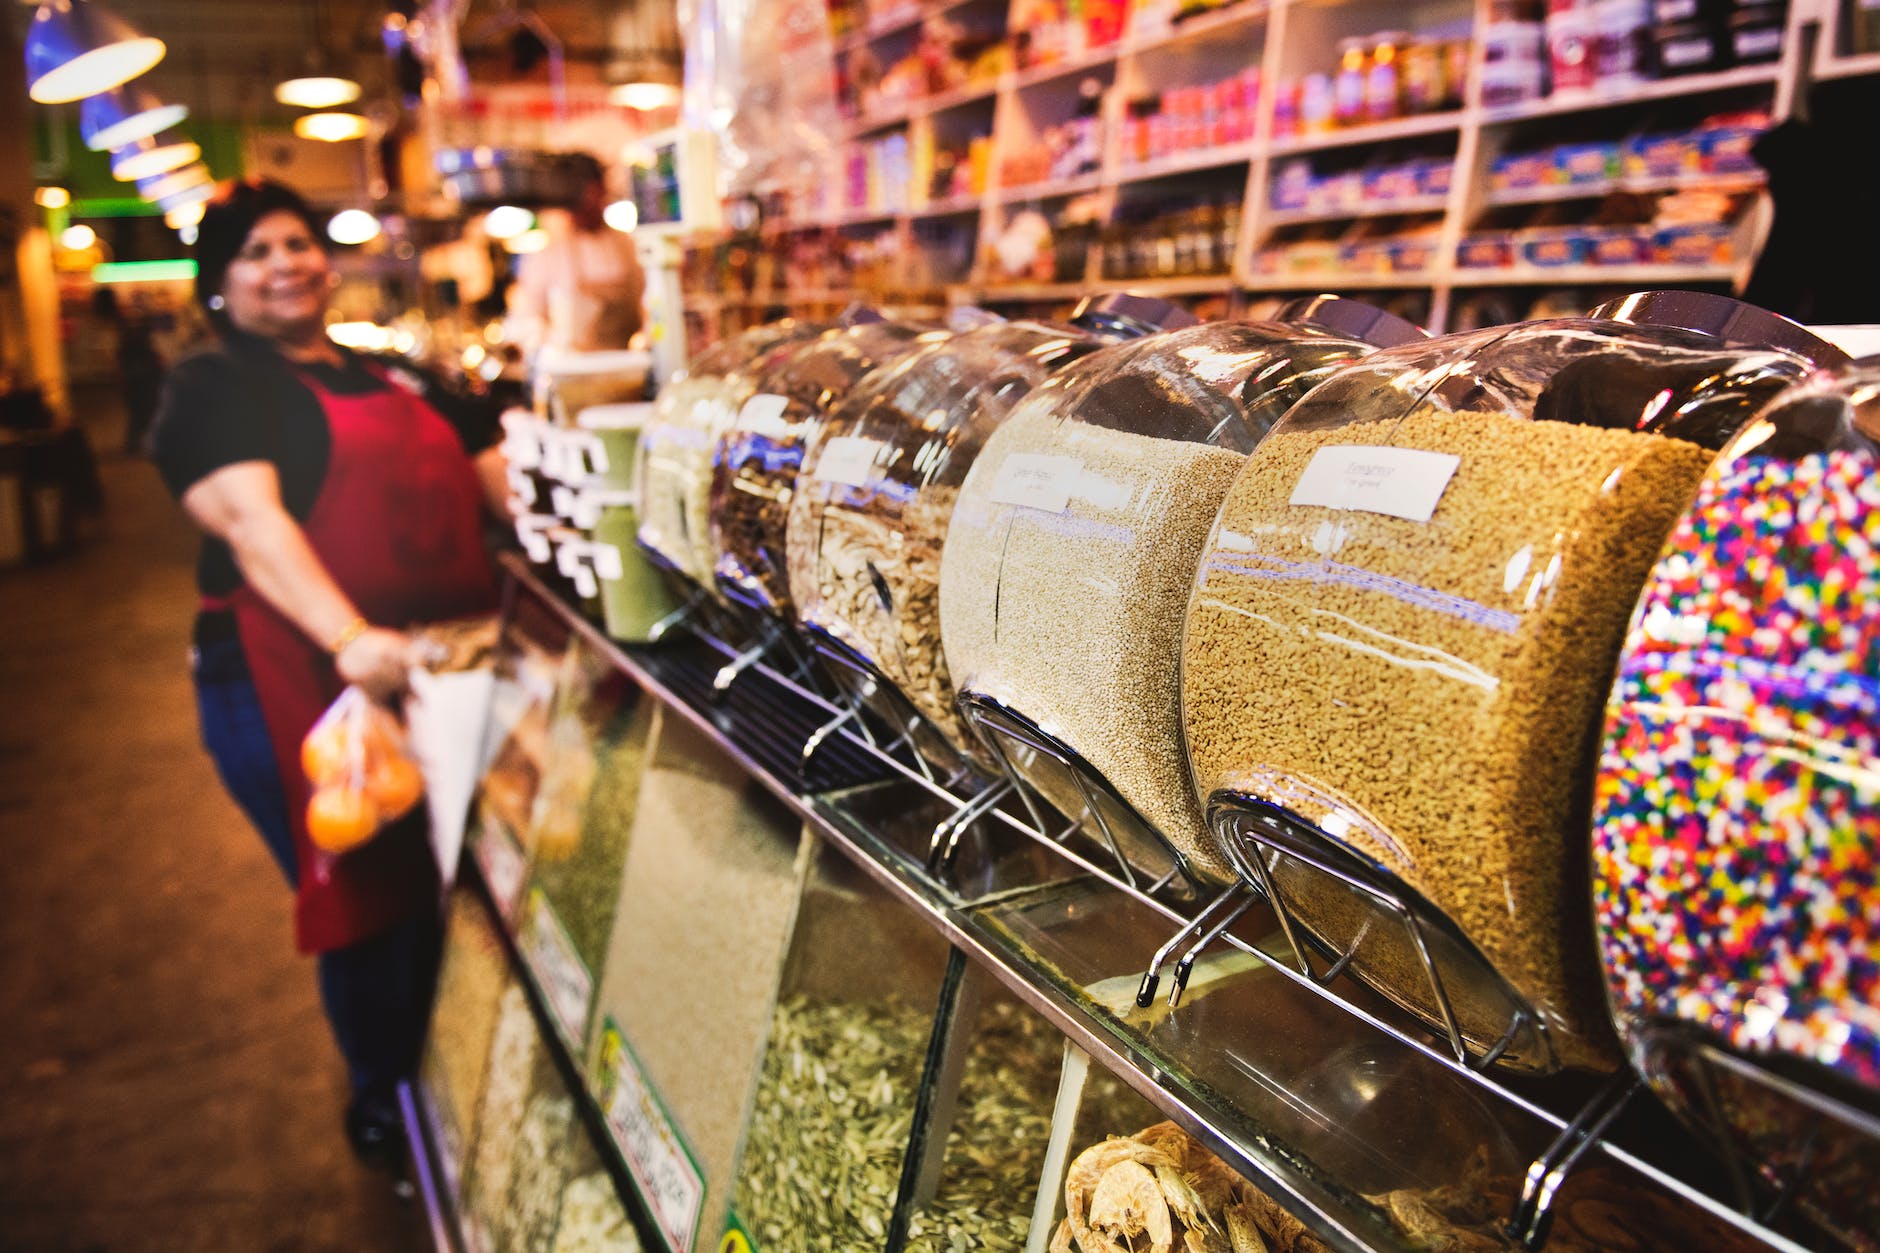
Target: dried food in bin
470,982
674,468
1064,574
1404,625
754,463
1736,816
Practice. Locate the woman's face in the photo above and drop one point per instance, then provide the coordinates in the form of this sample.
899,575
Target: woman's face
279,282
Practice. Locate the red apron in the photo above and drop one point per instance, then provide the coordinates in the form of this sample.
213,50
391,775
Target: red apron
397,524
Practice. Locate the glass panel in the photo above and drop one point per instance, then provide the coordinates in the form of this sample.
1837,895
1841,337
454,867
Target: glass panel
513,1193
470,984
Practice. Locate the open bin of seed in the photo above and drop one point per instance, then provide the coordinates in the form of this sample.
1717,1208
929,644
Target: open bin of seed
833,1114
528,664
1073,541
604,724
1736,817
674,469
1403,628
470,983
705,902
512,1194
876,492
755,462
592,1218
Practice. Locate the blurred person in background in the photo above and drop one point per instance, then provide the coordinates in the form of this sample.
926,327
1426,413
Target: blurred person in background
584,291
340,500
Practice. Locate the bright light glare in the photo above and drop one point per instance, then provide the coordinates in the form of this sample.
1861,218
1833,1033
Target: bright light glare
184,216
101,69
506,221
527,242
148,159
352,226
644,96
52,197
77,238
331,128
317,92
360,336
188,232
622,215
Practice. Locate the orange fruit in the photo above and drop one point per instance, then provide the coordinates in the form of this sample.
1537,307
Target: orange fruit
341,818
395,785
326,752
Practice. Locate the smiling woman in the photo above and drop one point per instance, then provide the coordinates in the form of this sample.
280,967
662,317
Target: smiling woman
340,504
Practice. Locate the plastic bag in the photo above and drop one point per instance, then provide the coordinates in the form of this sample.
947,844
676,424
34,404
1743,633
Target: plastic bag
362,776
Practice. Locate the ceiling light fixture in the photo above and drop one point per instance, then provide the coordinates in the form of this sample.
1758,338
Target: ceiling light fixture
198,195
317,91
77,238
184,215
332,128
124,115
152,156
76,49
352,226
52,197
506,221
164,186
644,96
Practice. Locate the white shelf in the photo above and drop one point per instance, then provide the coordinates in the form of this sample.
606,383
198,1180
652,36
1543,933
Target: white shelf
1555,193
952,206
1659,89
1187,162
1369,209
1191,285
959,97
1337,281
1094,59
1849,67
1011,293
1592,276
1371,133
1196,30
853,217
1050,189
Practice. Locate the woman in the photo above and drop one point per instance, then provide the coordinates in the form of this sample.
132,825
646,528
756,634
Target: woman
340,501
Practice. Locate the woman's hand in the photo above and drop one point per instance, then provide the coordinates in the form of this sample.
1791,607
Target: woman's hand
376,660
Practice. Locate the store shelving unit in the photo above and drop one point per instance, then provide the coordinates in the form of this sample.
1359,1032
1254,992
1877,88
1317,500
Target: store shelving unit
1284,38
1070,940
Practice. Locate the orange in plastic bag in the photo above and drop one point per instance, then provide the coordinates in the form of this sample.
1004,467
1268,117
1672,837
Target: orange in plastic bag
363,779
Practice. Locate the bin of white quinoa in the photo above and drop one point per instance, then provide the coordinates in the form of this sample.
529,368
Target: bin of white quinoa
1071,549
1403,627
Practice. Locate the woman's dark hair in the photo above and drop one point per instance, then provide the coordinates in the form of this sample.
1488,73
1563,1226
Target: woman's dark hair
226,221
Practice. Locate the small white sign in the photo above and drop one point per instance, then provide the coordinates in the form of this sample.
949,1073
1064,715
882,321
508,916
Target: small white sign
669,1180
849,460
1037,481
763,414
503,865
559,970
607,564
1400,482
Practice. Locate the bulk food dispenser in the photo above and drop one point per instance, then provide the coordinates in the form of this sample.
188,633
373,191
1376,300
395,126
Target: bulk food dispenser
1736,814
1066,565
1403,627
876,492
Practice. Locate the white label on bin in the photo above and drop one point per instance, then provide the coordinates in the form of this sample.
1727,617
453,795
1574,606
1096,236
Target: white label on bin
1401,482
503,865
849,460
1037,481
664,1171
606,559
763,414
559,971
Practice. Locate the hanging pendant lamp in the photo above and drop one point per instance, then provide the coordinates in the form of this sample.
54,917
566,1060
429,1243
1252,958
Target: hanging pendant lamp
160,186
75,48
124,115
158,154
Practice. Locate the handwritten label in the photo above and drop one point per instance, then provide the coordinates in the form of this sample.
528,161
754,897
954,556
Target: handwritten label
558,969
663,1168
848,460
763,414
1401,482
503,866
1037,481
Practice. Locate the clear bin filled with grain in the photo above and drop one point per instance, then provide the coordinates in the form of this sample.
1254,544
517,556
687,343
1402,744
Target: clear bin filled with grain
1403,628
674,470
877,487
565,384
1736,816
470,982
512,1192
754,463
1072,547
832,1122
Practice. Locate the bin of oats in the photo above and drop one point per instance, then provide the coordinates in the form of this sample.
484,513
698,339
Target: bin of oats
673,472
1403,627
1072,546
755,462
874,497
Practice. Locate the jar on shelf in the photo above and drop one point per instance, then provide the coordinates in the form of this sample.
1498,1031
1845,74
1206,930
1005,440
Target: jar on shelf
1424,76
1736,817
1572,47
1072,540
1623,53
1384,77
1349,81
1403,627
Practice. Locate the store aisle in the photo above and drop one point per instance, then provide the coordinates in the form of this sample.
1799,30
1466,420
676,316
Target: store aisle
166,1078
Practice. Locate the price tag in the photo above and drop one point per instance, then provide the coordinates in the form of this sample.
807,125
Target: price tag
607,564
503,865
668,1176
1037,481
848,460
559,970
763,414
1401,482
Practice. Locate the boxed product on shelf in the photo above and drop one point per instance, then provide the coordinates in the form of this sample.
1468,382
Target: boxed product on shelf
1548,246
1695,244
1595,162
1486,250
1183,118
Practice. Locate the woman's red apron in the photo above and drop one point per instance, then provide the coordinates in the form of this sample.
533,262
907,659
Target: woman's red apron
398,525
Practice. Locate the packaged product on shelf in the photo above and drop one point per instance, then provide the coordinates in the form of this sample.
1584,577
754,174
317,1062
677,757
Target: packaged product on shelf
1694,47
1436,552
674,463
1572,47
704,906
754,462
1623,52
1074,533
470,984
1736,816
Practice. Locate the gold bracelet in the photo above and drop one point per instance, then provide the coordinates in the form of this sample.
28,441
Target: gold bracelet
352,631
